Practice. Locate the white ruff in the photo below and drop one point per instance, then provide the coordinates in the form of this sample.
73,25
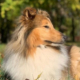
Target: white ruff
46,62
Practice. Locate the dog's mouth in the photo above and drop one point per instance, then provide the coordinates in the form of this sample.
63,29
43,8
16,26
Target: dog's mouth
54,43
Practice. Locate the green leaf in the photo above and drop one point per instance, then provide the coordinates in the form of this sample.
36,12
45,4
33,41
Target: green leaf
38,76
41,1
8,1
74,7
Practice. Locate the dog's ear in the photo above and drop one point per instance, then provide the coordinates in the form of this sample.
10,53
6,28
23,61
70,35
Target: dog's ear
29,13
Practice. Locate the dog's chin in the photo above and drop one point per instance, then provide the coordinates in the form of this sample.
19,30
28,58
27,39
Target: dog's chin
55,44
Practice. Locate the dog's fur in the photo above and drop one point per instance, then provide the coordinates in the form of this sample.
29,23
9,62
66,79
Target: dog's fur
36,49
75,62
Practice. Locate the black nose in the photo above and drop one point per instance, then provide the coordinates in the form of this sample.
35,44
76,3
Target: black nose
65,37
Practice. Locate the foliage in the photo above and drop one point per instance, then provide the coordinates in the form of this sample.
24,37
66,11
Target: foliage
60,11
13,7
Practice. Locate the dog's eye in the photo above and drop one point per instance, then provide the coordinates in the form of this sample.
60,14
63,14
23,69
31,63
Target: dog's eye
46,26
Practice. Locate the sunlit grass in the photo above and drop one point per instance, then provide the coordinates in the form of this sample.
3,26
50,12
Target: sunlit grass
2,47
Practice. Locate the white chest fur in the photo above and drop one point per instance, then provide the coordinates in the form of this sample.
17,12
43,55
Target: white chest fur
46,62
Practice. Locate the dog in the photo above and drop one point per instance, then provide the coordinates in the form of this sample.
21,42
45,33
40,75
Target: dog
36,50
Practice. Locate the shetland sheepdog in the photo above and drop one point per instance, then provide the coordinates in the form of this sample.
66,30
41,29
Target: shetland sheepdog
36,50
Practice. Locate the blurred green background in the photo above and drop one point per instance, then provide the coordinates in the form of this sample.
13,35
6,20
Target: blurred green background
65,16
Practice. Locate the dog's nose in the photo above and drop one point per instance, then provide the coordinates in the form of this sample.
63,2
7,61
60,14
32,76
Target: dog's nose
65,37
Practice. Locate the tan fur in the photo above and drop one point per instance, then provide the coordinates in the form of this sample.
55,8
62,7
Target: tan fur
75,62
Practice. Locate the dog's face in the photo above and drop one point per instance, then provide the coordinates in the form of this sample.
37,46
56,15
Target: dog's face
45,30
40,29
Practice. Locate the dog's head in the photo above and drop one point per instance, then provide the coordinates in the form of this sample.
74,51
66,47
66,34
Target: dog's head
40,28
35,28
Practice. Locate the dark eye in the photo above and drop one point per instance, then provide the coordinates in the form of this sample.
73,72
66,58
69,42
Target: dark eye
46,26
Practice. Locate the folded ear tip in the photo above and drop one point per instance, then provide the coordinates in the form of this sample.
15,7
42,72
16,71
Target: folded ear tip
29,11
32,11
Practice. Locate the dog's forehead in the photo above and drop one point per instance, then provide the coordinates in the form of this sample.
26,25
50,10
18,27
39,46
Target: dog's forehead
44,13
42,17
40,20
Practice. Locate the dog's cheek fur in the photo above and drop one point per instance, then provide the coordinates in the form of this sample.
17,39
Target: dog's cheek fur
33,41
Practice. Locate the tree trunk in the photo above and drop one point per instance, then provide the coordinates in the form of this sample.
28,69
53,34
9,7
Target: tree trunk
73,30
